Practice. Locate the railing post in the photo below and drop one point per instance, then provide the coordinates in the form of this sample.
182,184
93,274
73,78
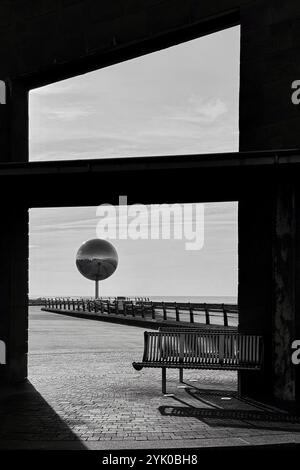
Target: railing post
108,307
225,315
152,311
177,312
191,313
164,311
125,308
132,309
207,319
116,307
142,309
101,306
96,306
83,305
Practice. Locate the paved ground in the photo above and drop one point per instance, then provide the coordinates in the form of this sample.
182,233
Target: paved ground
85,394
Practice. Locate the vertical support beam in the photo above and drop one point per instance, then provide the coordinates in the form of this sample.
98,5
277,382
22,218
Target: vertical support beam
296,335
13,235
255,296
284,289
13,292
269,293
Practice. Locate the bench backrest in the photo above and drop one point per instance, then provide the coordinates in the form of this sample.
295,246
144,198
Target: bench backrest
198,329
230,348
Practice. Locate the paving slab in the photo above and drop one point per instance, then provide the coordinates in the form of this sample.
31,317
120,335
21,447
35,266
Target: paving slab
84,394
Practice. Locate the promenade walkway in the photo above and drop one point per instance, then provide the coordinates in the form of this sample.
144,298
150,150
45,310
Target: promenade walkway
84,393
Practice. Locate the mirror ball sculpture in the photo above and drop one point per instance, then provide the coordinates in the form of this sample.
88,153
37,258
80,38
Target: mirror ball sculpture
97,260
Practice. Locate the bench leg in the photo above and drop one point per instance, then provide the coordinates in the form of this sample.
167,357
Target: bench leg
181,376
164,380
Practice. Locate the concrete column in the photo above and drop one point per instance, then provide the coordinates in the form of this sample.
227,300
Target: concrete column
296,335
284,313
13,236
269,226
267,285
255,285
13,291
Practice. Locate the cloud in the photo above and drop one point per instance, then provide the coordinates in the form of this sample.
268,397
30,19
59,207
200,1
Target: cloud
200,111
69,114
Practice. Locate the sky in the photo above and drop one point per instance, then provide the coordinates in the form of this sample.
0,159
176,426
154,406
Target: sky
179,100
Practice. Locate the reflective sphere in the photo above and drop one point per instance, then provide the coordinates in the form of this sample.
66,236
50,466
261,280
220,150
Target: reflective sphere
97,259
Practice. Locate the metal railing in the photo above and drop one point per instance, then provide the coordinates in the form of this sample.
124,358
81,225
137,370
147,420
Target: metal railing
193,313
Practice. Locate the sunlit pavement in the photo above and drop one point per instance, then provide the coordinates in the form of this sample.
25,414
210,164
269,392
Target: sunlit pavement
86,394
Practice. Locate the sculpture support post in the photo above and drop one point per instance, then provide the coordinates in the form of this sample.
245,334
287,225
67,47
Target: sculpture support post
97,289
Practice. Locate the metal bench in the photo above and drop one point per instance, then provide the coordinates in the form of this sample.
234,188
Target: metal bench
222,350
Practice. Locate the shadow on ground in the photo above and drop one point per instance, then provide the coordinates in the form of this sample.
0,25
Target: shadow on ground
227,409
26,417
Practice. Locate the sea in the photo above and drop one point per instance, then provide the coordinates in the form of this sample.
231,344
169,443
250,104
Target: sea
173,298
193,299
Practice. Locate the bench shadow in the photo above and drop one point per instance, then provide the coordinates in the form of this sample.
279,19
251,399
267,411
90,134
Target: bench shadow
233,416
27,421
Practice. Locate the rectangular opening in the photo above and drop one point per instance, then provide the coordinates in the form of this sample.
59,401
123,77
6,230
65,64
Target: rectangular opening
80,359
180,100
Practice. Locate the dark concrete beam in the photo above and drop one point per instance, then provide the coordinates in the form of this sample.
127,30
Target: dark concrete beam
188,178
46,41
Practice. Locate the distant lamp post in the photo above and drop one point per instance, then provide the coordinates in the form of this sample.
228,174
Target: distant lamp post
97,260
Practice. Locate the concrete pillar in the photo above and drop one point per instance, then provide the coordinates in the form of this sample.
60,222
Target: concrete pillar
13,291
297,287
255,285
267,285
284,312
13,236
269,224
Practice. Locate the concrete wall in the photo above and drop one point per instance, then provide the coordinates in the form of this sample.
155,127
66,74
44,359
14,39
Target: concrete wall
270,39
43,35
